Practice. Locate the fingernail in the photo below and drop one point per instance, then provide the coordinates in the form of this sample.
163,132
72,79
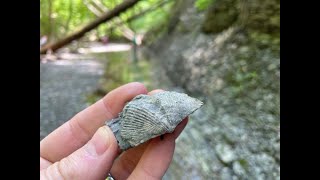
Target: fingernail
99,142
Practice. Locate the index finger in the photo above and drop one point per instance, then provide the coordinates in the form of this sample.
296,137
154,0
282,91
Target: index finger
78,130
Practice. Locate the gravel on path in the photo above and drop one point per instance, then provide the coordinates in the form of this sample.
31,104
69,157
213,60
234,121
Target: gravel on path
63,88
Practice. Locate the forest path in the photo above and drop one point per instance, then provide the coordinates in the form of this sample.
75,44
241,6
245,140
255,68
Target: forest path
64,85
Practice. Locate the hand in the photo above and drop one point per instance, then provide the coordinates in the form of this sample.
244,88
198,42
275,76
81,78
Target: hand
83,148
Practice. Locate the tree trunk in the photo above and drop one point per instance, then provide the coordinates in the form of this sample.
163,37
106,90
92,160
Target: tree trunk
78,34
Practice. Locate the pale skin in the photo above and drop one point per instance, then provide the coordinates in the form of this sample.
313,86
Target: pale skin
83,148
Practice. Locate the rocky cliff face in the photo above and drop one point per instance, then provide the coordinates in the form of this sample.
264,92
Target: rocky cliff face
228,56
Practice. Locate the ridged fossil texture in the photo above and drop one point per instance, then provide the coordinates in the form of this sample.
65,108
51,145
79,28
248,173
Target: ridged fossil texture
146,117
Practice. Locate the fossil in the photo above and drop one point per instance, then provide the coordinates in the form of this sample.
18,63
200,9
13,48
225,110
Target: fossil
149,116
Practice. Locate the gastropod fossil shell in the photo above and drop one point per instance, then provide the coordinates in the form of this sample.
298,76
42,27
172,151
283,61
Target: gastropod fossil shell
149,116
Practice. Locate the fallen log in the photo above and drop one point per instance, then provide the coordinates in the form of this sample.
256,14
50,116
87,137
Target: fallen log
92,25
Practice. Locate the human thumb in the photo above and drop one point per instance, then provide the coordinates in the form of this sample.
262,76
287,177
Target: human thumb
92,161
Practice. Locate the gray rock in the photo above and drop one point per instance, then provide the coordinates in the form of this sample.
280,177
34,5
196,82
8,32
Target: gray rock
238,169
225,153
226,174
239,83
146,117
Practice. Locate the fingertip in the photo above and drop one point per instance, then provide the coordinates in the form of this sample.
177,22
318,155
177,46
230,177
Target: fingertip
103,140
131,89
155,91
113,139
139,86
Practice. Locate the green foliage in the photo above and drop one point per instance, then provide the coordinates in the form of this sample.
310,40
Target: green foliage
242,79
202,5
152,19
68,15
64,16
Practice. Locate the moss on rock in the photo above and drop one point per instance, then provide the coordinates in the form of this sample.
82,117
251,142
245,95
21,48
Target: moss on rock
221,15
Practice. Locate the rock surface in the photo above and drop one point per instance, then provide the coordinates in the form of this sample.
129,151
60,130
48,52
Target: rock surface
146,117
236,72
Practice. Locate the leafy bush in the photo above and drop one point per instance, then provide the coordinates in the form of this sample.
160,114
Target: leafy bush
202,5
